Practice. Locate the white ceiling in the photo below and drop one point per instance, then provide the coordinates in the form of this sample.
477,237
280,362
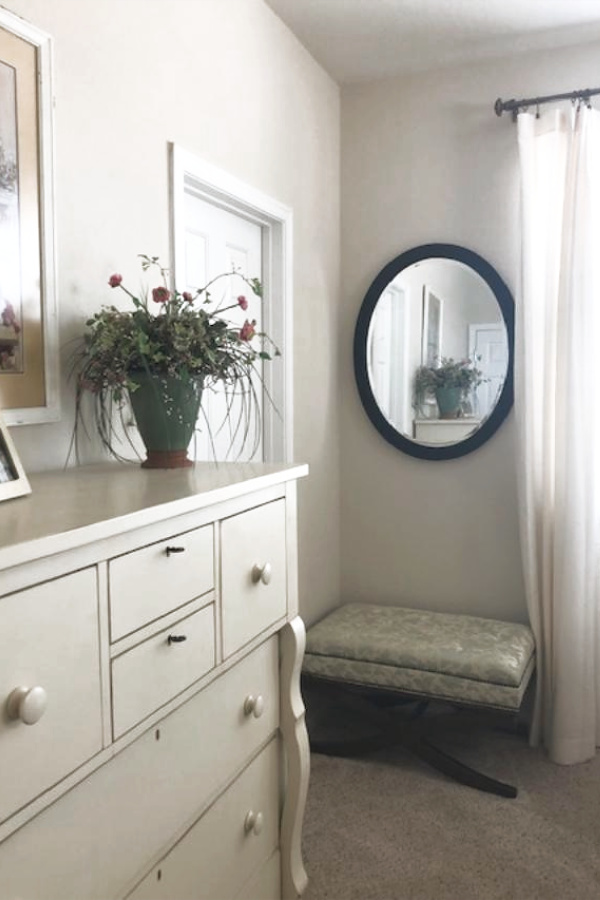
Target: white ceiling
363,40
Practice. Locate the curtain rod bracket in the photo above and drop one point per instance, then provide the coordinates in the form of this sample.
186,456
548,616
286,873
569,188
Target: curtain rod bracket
514,106
499,106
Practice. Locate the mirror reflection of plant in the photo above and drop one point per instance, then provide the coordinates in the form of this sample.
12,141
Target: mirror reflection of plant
168,333
450,373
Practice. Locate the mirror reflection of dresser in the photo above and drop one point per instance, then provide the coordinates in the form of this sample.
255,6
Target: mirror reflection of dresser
433,307
444,431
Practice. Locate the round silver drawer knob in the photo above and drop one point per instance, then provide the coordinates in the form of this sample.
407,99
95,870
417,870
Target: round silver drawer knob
254,706
253,823
27,704
262,573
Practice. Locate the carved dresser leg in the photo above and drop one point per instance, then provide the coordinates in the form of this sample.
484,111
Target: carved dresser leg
297,759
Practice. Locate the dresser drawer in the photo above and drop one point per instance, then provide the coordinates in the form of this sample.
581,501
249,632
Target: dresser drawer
154,580
97,841
51,633
252,542
266,884
151,673
233,840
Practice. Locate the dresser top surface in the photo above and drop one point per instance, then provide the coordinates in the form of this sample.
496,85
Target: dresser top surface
87,503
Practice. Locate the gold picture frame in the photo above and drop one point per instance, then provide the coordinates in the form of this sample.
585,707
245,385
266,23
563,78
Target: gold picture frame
13,480
28,315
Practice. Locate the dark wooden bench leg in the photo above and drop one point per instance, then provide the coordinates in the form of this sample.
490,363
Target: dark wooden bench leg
452,767
406,734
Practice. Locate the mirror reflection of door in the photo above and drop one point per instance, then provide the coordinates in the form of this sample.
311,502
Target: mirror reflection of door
388,359
487,343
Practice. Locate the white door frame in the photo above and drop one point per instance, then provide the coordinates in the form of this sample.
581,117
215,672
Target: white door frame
189,173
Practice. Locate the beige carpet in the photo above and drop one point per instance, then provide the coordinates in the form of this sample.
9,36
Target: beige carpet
387,827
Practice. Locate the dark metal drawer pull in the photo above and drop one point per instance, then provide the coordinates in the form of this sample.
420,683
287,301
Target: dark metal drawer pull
176,638
170,550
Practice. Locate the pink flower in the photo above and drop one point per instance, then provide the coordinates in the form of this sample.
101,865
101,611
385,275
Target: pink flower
161,294
188,297
242,302
248,330
115,280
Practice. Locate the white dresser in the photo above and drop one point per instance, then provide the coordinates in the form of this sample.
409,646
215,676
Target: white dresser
152,735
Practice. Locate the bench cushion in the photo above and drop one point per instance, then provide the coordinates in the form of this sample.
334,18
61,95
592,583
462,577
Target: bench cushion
459,658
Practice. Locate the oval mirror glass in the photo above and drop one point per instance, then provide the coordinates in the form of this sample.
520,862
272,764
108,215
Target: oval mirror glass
433,351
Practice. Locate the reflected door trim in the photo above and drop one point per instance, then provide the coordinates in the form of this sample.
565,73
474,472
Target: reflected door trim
361,351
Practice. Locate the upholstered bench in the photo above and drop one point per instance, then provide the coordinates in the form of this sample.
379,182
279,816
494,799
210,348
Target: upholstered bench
465,660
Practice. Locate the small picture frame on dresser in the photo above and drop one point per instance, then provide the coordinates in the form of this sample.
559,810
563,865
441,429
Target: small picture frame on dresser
13,480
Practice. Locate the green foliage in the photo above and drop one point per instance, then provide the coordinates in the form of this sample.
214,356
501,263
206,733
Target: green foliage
167,333
449,373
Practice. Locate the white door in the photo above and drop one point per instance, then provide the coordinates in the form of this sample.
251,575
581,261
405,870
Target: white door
217,241
489,347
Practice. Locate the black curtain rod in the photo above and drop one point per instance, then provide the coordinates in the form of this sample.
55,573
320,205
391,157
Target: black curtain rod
514,106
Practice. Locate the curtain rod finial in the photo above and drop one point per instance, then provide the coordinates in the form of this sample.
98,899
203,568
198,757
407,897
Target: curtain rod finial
499,107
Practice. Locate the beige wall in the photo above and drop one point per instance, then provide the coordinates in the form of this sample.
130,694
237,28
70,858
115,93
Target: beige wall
423,160
227,81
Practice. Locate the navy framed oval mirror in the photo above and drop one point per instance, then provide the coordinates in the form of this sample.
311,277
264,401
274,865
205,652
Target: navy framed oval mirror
433,351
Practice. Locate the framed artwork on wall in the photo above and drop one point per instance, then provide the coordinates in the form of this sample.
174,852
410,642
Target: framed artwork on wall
13,480
431,336
28,314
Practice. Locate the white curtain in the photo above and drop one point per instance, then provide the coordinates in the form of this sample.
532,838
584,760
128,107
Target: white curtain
557,404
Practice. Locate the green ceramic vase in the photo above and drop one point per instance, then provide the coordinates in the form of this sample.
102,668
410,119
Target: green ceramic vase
448,401
166,410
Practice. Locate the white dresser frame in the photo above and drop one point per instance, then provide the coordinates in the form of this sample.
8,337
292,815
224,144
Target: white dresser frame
82,518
